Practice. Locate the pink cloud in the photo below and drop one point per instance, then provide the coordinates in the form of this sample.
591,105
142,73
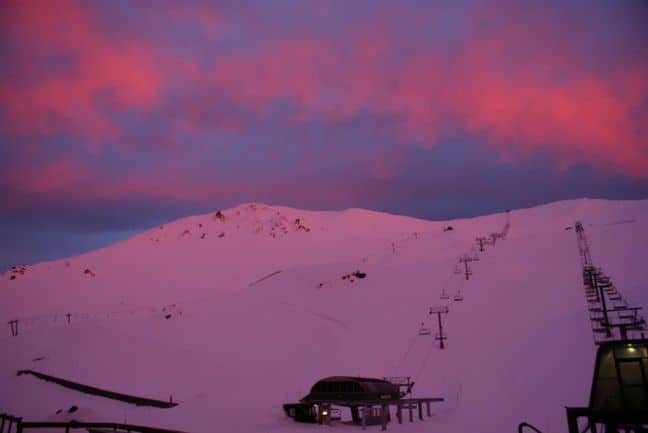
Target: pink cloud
68,102
522,108
513,82
78,182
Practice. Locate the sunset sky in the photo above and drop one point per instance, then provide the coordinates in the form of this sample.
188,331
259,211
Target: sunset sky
119,115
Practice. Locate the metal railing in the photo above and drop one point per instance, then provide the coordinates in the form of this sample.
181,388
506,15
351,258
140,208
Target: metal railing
12,424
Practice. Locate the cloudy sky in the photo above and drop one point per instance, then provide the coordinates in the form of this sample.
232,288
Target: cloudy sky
118,115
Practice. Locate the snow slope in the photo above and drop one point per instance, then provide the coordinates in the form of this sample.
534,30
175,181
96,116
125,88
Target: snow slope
233,325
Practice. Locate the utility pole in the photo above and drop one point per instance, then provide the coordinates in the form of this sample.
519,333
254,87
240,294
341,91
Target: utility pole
14,327
465,260
607,306
440,336
508,223
583,247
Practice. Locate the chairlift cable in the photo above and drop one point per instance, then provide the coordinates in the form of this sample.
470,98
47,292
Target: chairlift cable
406,354
425,360
409,348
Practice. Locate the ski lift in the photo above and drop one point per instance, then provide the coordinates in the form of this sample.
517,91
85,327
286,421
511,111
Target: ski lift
424,330
444,295
457,270
458,297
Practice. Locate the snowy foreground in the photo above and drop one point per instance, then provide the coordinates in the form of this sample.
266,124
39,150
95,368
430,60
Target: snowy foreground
183,311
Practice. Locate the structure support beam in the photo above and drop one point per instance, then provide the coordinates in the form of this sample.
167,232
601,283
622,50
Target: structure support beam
399,413
364,418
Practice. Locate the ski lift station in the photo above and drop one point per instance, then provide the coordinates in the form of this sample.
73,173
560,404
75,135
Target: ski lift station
619,394
368,400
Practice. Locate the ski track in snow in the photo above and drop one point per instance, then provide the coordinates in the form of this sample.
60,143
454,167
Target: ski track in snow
323,317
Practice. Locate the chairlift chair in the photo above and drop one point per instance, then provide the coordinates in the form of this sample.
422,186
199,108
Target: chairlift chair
439,337
444,295
621,305
458,297
424,330
596,318
630,313
457,270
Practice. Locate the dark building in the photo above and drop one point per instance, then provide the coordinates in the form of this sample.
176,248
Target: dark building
619,395
352,392
352,388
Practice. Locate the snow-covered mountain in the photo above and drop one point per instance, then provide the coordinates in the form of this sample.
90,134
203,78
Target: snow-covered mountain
231,314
